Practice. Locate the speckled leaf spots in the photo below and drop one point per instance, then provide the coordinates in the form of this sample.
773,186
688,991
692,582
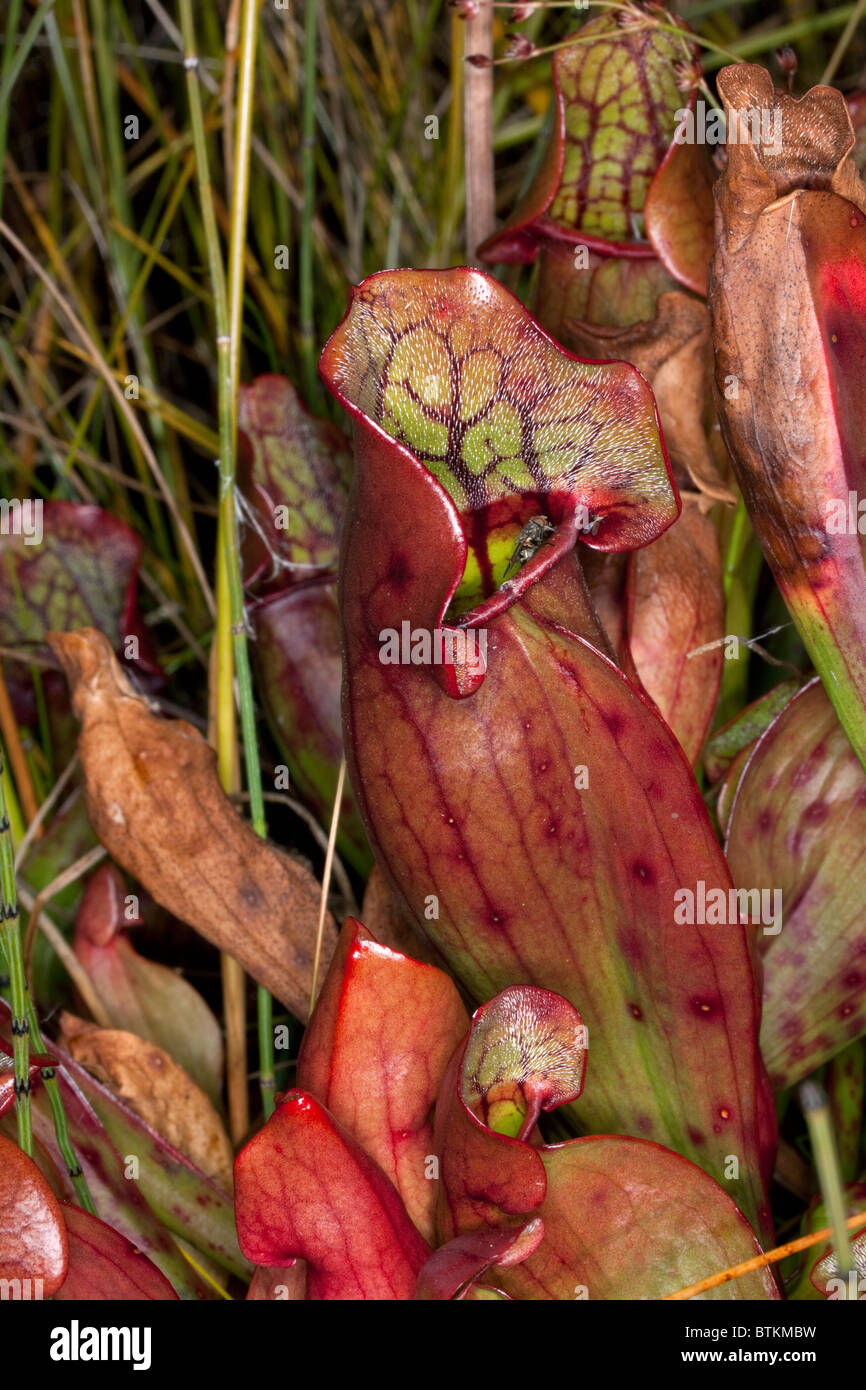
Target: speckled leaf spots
798,826
526,1052
622,1218
451,365
294,471
538,820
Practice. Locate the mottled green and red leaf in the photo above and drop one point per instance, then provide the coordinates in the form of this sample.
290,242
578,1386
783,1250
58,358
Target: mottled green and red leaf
293,470
798,826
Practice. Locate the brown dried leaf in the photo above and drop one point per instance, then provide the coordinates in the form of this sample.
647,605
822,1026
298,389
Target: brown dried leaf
157,1089
155,801
787,299
814,151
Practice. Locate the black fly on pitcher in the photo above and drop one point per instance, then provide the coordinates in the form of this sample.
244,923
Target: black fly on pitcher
536,531
532,537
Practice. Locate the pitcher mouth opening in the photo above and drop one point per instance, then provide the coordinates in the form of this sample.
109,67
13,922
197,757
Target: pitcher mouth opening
531,544
532,446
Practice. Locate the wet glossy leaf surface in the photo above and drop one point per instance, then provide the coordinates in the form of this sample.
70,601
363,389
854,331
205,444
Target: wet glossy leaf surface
33,1240
156,803
382,1033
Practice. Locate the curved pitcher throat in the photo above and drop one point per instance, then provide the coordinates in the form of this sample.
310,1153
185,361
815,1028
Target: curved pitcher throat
549,589
459,651
410,558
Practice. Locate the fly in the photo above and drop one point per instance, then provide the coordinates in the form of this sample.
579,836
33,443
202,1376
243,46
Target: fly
536,531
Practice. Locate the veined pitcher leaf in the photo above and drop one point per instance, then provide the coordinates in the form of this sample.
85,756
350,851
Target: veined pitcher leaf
614,176
797,829
104,1265
305,1188
536,816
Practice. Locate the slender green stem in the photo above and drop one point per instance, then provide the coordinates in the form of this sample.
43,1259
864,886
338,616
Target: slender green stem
24,1012
308,174
13,19
237,246
844,39
846,1078
231,627
125,257
453,179
326,880
738,533
768,40
750,46
725,54
61,1128
267,1074
15,58
10,936
813,1099
420,51
232,988
741,571
11,809
241,185
709,96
